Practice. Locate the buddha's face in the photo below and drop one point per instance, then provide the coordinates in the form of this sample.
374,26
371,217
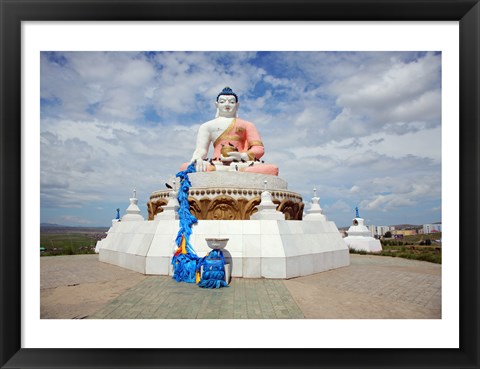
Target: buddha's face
227,106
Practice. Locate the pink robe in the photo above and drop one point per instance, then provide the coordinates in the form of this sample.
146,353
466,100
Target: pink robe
244,136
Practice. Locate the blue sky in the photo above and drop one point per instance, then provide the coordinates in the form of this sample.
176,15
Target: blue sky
364,128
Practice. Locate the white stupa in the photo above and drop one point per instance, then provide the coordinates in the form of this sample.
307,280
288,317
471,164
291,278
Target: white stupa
315,212
133,212
170,211
359,237
267,209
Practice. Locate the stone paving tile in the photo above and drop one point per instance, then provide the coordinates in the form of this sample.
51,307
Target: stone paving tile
73,287
56,271
372,287
160,297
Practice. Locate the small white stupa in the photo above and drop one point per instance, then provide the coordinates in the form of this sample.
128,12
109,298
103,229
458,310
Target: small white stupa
133,212
315,212
267,210
170,211
359,237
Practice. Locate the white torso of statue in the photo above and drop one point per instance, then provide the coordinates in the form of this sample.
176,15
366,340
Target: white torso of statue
215,127
237,144
227,107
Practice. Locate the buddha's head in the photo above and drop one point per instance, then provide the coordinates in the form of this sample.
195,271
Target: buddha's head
227,103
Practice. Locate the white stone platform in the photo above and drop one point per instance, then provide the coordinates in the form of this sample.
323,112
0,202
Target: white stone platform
256,248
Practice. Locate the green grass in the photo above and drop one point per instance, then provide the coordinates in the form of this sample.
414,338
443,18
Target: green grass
432,254
410,247
67,243
414,239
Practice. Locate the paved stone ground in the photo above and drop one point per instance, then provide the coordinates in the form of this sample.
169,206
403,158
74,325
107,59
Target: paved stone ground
371,287
163,298
75,287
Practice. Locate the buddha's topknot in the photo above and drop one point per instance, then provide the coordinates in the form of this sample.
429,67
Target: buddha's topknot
229,92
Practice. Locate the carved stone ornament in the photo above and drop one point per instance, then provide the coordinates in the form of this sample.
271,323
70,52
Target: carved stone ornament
155,207
292,210
224,207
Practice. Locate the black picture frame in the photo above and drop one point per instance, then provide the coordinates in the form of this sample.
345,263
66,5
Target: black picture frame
466,12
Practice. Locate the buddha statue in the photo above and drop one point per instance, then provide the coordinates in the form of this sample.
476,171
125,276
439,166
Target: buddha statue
237,144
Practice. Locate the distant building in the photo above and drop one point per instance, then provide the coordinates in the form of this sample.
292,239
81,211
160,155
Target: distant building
373,230
378,231
404,232
381,230
432,228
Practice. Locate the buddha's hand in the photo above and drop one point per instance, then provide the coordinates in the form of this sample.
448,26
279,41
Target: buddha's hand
238,156
226,159
199,164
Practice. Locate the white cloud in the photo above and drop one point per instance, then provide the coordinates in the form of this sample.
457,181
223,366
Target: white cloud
91,162
338,206
363,128
354,189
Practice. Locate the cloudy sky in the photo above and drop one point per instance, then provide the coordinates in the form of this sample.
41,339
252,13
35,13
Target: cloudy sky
364,128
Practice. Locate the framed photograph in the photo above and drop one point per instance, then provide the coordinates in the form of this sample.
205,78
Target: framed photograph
27,341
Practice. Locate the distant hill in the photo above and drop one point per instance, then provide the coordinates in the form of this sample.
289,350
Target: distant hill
49,225
397,226
58,228
407,226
